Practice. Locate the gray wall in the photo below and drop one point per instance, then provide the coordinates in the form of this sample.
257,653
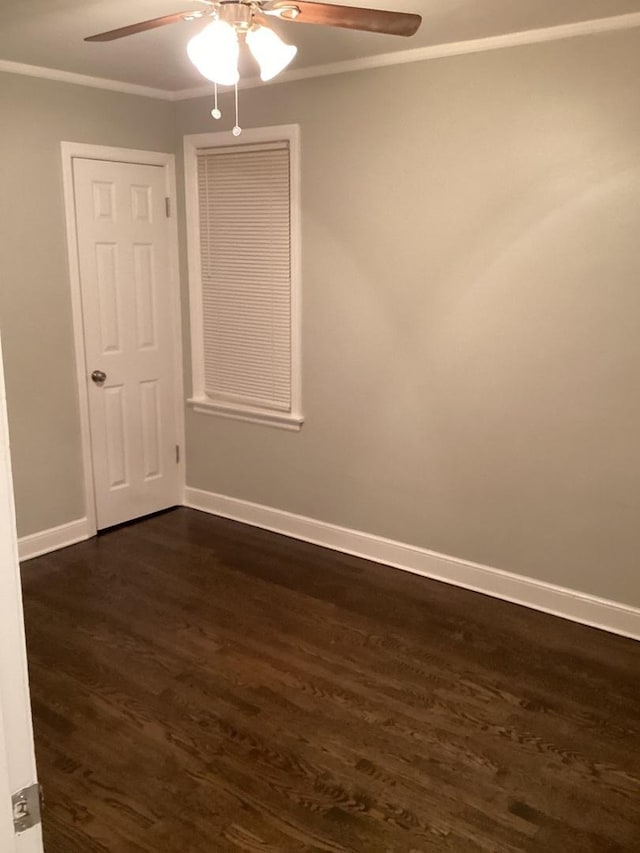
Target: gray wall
471,303
35,306
471,307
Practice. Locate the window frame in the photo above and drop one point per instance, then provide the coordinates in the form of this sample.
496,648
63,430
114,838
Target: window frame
199,401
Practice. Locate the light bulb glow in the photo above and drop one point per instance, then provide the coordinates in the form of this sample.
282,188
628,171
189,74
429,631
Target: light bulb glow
270,52
214,52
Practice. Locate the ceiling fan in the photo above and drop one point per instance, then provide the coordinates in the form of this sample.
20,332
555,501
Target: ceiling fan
301,11
215,49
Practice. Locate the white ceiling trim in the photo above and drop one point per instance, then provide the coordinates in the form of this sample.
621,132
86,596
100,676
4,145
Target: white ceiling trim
84,80
438,51
420,54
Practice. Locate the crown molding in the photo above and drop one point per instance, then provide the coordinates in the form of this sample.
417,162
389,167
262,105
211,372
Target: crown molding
400,57
84,80
438,51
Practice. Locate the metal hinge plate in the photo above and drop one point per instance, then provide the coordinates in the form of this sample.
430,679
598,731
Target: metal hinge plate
27,807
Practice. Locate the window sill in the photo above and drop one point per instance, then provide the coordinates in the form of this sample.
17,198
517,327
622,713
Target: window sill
281,420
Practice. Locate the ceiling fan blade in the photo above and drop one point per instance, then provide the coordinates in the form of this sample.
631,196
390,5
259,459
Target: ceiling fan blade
145,25
350,17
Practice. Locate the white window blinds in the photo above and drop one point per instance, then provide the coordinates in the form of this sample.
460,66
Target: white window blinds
244,205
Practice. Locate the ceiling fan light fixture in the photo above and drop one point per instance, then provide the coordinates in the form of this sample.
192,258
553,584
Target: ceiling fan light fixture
269,51
214,52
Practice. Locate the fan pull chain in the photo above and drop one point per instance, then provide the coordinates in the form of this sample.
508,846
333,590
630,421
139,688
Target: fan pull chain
237,130
215,112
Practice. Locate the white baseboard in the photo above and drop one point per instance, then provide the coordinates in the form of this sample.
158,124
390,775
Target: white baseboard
568,603
559,601
55,537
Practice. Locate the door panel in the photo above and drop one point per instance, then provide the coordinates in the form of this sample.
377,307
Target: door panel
123,246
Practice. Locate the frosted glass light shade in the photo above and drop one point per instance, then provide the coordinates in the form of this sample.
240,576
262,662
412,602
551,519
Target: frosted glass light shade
270,52
214,52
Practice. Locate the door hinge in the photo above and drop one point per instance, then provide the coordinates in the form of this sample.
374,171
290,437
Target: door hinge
167,206
27,807
177,453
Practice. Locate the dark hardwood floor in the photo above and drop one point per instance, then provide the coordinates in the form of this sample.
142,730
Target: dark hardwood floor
201,686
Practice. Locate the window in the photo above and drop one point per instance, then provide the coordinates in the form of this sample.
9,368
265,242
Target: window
243,243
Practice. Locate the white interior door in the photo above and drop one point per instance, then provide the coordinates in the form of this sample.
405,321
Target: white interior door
17,760
124,265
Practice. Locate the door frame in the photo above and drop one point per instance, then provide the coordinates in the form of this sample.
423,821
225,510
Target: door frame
17,758
7,833
71,151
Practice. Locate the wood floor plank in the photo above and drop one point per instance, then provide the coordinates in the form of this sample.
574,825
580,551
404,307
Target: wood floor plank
202,686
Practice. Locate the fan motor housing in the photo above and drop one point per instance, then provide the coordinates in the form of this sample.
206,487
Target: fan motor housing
236,13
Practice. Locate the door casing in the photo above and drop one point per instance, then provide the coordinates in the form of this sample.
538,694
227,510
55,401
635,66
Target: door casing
70,151
17,758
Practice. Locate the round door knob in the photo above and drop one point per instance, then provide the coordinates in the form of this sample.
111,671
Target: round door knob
98,376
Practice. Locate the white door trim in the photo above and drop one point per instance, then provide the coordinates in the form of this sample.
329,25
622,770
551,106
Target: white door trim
6,824
17,758
70,151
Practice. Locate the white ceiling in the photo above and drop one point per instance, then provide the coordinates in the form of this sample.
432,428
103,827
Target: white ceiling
49,33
